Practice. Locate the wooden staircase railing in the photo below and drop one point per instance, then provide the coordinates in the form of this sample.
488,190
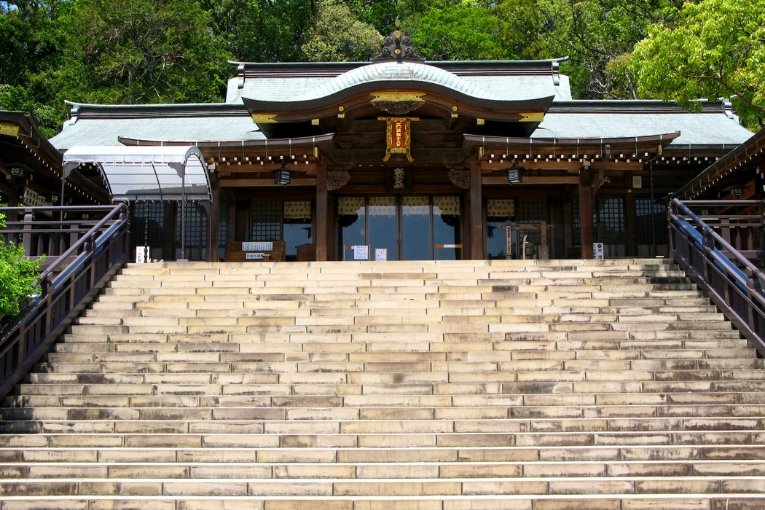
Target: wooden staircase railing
701,234
81,261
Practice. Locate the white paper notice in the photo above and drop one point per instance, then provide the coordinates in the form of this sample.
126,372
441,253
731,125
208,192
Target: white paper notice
360,252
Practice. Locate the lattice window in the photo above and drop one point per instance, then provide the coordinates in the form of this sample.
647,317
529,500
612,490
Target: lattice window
148,224
266,220
648,211
608,221
531,210
196,226
222,224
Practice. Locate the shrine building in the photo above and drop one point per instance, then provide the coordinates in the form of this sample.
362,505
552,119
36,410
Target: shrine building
397,159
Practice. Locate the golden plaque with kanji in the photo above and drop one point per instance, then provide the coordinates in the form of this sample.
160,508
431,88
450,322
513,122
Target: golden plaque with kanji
398,136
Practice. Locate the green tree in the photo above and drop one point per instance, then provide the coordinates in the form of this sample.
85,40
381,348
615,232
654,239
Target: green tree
337,35
460,32
382,14
32,46
262,30
596,35
715,48
18,276
142,51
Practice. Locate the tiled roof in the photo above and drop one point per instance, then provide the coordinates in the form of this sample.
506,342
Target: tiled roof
103,125
717,128
273,86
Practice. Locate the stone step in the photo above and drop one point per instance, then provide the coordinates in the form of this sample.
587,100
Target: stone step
373,487
330,408
541,399
494,502
382,440
357,373
241,421
232,470
527,387
492,454
446,385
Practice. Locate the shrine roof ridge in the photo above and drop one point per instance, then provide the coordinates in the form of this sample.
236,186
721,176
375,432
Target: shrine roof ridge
488,67
127,111
654,106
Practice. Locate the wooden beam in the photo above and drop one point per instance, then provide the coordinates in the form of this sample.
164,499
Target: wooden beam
226,169
568,166
264,183
533,180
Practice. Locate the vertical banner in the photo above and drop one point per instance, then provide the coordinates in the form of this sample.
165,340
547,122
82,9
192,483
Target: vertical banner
398,136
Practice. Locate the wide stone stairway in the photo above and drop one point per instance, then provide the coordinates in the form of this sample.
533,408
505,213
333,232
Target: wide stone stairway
397,385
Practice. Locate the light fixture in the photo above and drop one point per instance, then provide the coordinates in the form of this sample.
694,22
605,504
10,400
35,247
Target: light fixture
282,176
514,173
17,171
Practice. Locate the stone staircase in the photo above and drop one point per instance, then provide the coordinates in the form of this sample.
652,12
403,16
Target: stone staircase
397,385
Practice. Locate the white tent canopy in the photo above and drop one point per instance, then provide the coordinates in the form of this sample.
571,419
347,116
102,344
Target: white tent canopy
164,173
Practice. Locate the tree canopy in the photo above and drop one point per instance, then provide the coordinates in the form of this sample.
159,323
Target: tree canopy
712,49
336,35
141,51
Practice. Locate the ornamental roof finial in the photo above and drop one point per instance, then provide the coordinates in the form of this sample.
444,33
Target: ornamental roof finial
398,46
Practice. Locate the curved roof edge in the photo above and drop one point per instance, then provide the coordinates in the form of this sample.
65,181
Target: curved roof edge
93,110
638,106
734,161
393,73
274,143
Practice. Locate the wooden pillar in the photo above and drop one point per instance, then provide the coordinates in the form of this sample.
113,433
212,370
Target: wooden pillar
213,214
475,213
585,217
630,227
321,228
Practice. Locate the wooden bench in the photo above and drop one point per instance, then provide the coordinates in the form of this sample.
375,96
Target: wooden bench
255,251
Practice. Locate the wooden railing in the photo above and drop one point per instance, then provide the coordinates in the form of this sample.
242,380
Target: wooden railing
701,234
87,252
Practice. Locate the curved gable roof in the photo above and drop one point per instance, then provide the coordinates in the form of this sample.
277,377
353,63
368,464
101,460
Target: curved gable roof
353,86
395,73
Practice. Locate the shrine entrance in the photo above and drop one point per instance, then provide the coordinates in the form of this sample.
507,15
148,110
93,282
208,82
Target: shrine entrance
396,227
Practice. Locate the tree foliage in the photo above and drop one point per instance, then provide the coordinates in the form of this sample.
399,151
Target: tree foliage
337,35
31,44
715,48
18,276
145,51
460,32
262,30
142,51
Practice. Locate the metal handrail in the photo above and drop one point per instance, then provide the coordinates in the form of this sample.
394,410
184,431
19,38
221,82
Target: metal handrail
67,287
731,281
